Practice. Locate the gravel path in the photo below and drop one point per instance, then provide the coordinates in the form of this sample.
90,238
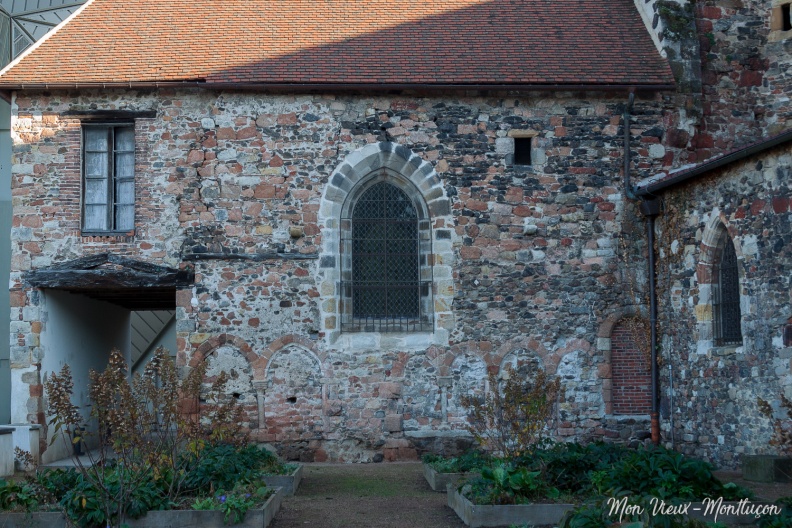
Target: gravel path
387,495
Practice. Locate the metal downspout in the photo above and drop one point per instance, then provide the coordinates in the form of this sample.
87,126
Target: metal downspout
650,207
655,416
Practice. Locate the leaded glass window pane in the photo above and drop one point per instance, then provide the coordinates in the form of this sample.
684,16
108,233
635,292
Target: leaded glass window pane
385,254
726,302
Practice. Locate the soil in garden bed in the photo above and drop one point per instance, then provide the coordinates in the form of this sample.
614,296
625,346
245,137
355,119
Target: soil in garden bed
387,495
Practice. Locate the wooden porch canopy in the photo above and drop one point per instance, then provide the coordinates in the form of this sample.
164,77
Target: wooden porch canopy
122,281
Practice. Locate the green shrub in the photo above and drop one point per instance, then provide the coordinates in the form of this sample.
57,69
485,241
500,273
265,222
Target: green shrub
235,503
223,466
568,466
19,497
665,474
782,520
472,460
140,424
84,505
58,481
504,483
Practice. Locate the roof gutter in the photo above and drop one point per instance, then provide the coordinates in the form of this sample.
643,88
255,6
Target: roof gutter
378,87
707,166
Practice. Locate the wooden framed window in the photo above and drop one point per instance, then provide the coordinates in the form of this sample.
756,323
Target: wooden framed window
108,177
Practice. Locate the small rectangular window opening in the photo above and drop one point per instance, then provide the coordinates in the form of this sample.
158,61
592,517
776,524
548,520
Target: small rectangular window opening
786,17
522,151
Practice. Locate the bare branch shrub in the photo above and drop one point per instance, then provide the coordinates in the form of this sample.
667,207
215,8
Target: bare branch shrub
515,413
782,429
143,427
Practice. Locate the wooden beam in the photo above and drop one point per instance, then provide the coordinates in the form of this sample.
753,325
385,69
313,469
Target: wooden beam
107,279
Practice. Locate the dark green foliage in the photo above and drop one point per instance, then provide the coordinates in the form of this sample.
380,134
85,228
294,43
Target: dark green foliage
58,481
595,514
236,503
568,466
504,483
664,474
15,496
223,466
644,474
472,460
83,502
595,472
782,520
209,470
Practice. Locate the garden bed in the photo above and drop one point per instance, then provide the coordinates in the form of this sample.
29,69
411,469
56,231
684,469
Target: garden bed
440,481
254,518
288,483
475,515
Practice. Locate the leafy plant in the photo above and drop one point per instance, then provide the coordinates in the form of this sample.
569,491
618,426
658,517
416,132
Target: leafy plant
576,468
598,513
141,434
235,504
662,473
504,483
782,520
513,417
18,497
222,466
469,461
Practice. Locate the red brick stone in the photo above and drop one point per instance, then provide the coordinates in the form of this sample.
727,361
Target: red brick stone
476,205
18,299
226,133
470,252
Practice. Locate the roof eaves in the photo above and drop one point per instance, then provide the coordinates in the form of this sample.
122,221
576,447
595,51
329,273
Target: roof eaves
281,86
664,181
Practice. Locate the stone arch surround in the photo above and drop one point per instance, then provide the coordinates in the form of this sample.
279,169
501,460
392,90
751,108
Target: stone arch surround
709,253
604,347
422,179
213,343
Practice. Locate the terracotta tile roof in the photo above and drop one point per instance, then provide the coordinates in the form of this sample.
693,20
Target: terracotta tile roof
370,42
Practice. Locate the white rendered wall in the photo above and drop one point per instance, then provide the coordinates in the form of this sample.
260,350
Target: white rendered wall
81,332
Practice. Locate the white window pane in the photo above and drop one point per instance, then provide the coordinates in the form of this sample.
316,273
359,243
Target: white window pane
125,165
125,192
125,217
96,192
125,139
95,218
96,138
95,164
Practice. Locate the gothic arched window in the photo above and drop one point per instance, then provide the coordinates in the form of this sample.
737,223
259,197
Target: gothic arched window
726,314
384,261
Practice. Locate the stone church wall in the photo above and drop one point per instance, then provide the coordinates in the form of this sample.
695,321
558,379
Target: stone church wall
245,188
711,411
